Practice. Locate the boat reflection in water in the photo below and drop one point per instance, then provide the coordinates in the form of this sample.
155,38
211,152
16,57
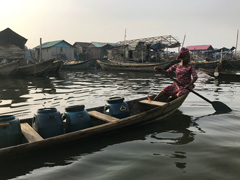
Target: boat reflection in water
175,130
17,94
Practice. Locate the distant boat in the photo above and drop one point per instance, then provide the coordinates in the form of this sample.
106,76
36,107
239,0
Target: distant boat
37,69
226,64
114,65
205,64
78,65
9,68
230,75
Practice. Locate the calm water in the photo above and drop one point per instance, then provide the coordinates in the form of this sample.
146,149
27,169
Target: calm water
193,144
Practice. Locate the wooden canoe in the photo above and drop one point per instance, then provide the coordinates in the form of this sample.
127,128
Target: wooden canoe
226,64
9,68
121,66
223,74
78,65
141,111
37,69
206,65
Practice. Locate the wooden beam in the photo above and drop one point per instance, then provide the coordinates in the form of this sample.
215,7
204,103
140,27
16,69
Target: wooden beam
30,134
102,116
154,103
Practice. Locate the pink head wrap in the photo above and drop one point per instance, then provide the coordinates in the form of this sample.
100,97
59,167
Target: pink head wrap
183,52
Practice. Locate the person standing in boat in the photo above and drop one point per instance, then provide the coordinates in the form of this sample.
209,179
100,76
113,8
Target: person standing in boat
185,72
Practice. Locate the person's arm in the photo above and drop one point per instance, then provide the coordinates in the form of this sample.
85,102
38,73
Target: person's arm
194,79
192,82
168,71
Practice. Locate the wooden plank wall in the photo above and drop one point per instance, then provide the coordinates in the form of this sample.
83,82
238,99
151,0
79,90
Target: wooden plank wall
11,52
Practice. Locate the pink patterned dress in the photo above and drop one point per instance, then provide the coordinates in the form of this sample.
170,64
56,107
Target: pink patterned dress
184,76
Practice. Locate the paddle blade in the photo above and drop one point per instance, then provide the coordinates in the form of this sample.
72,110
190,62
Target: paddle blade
221,107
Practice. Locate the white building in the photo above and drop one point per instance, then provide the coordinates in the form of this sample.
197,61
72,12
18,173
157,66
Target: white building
55,49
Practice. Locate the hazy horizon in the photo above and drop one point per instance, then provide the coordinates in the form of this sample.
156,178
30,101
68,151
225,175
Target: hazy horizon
204,22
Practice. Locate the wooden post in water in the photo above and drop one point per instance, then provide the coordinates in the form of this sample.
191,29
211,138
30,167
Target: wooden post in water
236,45
221,56
40,49
124,46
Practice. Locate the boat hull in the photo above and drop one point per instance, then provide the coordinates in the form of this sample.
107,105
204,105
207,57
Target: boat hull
140,113
79,66
222,75
9,68
113,66
226,64
206,65
37,69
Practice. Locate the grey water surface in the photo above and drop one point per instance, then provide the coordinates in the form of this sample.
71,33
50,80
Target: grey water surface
194,143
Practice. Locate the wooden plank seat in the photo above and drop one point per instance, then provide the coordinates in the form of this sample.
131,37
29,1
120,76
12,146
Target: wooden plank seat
102,116
154,103
29,133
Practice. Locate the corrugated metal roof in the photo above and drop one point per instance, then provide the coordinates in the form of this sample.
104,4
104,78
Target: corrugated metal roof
99,44
200,48
102,44
83,44
8,36
51,44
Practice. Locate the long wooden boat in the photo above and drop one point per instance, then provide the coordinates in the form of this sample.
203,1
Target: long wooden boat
205,65
78,65
222,74
140,111
122,66
226,64
37,69
9,68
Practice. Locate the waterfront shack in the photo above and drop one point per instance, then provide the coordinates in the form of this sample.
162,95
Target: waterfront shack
98,50
12,46
133,51
61,50
81,50
201,52
144,49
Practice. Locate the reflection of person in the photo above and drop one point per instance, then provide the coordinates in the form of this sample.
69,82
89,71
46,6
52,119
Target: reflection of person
186,75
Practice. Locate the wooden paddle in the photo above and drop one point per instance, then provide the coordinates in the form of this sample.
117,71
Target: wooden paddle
219,66
217,105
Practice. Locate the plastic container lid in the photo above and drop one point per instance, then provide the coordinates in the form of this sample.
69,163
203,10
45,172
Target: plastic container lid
74,108
115,100
7,117
47,110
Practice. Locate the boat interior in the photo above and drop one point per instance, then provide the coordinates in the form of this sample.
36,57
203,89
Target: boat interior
98,116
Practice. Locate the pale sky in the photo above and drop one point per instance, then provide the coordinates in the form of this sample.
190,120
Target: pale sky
205,22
